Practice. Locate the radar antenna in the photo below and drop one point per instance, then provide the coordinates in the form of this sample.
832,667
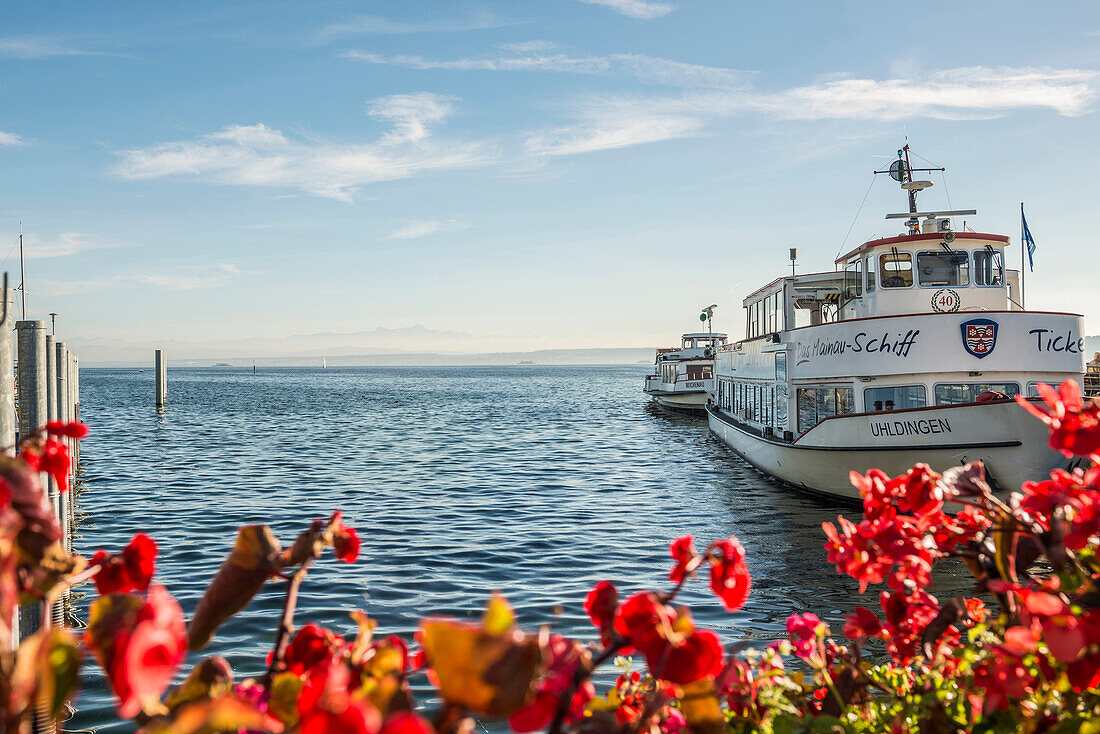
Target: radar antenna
902,172
707,315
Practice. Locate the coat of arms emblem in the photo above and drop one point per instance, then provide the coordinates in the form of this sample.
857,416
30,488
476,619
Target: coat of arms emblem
979,336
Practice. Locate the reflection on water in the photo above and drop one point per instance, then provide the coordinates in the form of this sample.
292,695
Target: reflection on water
537,481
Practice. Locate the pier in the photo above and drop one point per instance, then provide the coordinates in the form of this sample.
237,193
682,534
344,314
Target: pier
39,382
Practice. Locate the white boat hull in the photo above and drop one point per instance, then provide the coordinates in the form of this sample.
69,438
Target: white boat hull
691,401
1006,438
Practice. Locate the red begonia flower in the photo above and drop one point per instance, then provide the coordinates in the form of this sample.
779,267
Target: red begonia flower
406,722
1074,425
72,429
311,647
563,657
345,541
140,644
641,620
802,630
699,655
729,576
326,707
862,624
683,553
600,604
132,569
52,458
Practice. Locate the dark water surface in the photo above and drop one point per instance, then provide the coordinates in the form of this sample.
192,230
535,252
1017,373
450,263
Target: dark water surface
535,481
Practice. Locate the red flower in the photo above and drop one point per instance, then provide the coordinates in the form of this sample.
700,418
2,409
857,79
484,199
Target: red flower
729,576
129,570
699,655
52,458
802,630
72,429
139,643
683,553
562,657
345,541
311,647
406,722
643,621
325,707
862,624
600,604
1074,425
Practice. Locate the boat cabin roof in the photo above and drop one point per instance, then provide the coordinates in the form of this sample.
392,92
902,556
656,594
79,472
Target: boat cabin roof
932,237
704,335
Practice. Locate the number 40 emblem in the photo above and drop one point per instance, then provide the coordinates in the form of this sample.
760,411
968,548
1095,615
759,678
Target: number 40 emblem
945,300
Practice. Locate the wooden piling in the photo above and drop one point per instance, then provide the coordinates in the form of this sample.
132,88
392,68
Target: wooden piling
161,364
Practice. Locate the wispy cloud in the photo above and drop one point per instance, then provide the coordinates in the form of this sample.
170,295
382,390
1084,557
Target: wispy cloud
37,247
955,94
37,47
212,277
641,9
373,25
649,69
228,267
415,230
257,155
11,139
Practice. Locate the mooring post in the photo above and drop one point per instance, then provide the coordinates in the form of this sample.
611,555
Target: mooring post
31,347
162,378
51,377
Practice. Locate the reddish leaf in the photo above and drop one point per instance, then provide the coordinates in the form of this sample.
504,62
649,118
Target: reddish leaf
253,560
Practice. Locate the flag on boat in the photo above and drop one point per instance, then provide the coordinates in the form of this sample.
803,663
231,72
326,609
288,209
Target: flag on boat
1026,239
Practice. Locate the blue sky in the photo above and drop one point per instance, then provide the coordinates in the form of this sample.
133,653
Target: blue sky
563,173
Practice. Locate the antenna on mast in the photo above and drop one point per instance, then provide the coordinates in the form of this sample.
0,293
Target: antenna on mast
902,171
22,272
708,315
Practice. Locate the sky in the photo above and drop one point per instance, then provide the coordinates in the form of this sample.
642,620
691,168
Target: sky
516,174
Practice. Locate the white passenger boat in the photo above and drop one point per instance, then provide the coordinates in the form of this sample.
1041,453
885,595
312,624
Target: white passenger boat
683,378
906,353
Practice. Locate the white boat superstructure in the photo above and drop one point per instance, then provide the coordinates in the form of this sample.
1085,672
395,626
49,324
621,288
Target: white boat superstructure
908,352
683,378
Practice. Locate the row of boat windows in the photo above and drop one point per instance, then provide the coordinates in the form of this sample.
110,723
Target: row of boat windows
934,269
766,403
694,372
765,316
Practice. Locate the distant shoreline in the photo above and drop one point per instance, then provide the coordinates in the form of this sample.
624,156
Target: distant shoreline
541,358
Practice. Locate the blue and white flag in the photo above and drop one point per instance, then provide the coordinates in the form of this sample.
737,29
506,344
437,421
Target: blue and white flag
1027,240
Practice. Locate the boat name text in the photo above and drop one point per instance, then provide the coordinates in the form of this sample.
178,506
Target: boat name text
885,344
693,384
920,427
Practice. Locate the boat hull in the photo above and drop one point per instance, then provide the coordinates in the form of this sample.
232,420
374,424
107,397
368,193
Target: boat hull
695,402
1007,439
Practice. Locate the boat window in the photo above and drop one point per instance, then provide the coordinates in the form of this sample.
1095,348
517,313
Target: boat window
699,371
898,397
780,366
956,393
896,269
815,404
939,268
853,279
989,267
870,273
1033,389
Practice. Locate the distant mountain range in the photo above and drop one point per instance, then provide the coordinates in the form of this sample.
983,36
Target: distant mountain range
412,345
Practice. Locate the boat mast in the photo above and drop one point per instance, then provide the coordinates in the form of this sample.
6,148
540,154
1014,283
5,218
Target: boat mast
22,273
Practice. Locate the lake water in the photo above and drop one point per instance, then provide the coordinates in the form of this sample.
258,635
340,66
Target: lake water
535,481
